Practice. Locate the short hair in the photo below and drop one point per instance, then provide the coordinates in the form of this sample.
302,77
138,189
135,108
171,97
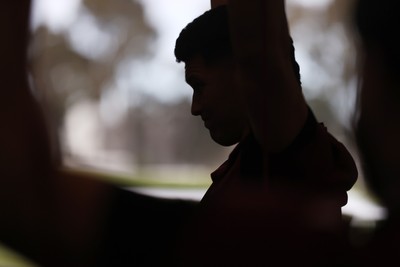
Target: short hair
209,36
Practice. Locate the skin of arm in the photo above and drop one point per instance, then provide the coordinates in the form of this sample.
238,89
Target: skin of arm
215,3
265,77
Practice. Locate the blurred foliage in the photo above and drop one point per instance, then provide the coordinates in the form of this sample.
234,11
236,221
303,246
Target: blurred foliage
67,71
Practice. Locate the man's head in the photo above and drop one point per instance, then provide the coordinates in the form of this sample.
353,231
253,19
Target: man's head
209,36
204,45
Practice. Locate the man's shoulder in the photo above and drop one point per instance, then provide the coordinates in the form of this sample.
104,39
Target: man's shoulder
315,156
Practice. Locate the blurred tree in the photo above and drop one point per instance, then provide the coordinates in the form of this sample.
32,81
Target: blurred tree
82,61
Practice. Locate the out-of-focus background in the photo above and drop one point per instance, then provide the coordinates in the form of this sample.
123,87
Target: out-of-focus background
119,108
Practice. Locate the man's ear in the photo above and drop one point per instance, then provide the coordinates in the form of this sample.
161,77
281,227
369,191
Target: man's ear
215,3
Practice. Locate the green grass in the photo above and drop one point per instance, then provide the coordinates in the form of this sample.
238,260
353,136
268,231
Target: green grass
150,178
10,258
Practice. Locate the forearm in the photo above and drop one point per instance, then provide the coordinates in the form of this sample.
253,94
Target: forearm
259,31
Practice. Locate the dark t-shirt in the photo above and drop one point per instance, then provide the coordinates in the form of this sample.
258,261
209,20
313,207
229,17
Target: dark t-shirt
278,209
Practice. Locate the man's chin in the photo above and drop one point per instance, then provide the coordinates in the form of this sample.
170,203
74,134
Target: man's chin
222,140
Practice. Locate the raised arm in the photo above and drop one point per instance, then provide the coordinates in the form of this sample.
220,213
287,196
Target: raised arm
266,76
215,3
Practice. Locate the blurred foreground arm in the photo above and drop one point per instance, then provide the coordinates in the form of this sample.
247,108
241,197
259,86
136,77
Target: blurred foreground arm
51,218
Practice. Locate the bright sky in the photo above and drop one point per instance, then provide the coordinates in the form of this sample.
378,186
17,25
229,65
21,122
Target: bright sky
311,3
59,14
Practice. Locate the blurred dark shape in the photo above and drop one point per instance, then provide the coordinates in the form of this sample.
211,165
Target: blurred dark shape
378,125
